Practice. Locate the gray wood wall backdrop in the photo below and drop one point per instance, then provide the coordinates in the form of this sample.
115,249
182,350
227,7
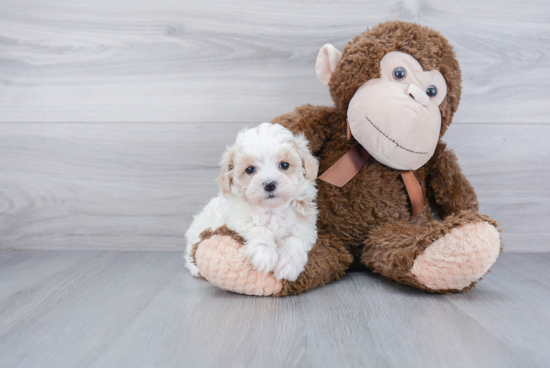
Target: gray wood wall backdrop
113,114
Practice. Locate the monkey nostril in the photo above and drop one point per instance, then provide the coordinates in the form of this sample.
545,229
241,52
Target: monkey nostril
418,95
270,186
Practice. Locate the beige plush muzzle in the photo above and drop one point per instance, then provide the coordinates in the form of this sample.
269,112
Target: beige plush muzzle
395,120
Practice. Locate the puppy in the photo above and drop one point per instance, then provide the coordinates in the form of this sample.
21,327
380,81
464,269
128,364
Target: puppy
268,197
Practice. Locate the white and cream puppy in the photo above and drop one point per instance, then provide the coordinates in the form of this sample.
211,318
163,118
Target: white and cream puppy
268,197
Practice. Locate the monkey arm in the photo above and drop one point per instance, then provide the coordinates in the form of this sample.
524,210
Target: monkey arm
315,122
220,259
448,188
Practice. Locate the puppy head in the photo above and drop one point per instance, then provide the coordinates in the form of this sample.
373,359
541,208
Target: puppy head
268,166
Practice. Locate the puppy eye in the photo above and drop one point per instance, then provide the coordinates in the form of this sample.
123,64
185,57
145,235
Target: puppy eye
431,91
399,73
284,165
250,170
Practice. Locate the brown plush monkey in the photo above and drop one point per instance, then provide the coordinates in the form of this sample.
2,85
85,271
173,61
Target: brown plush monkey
398,86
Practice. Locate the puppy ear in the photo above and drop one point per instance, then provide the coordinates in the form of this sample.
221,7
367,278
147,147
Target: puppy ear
310,162
226,176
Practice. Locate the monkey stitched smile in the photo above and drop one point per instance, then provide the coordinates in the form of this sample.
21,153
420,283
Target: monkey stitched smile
398,145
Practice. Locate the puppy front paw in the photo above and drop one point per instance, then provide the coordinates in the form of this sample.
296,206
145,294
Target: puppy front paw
262,255
290,264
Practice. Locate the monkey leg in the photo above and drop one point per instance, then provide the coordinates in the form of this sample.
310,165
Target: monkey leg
221,261
442,257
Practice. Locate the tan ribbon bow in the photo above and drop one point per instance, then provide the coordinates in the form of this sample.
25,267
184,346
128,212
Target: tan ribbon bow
353,161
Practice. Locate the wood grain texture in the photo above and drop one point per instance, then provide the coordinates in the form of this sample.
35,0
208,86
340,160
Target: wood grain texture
136,186
246,61
142,309
112,287
19,270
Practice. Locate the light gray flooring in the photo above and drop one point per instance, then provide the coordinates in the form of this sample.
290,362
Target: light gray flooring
143,309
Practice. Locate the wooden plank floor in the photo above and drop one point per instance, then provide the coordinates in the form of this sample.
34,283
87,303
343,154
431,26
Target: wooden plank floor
143,309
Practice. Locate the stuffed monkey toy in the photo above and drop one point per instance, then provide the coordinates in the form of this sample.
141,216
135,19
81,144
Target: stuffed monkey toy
395,89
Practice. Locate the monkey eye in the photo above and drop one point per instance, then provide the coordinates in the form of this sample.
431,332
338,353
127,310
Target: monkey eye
250,170
284,165
399,73
431,91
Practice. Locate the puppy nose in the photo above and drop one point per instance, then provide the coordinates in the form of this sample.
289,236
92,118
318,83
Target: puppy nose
418,95
270,186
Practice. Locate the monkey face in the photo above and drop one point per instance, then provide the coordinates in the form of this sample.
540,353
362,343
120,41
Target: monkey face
396,117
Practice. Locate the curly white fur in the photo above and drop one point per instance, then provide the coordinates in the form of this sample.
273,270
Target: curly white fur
279,226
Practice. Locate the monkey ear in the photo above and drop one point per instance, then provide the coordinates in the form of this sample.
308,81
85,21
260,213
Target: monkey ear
327,60
310,162
226,176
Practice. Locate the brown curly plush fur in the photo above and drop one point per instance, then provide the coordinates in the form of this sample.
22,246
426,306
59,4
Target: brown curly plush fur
391,249
369,219
361,62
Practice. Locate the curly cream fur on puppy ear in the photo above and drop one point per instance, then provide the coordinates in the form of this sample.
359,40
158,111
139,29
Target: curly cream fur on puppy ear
226,176
309,162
